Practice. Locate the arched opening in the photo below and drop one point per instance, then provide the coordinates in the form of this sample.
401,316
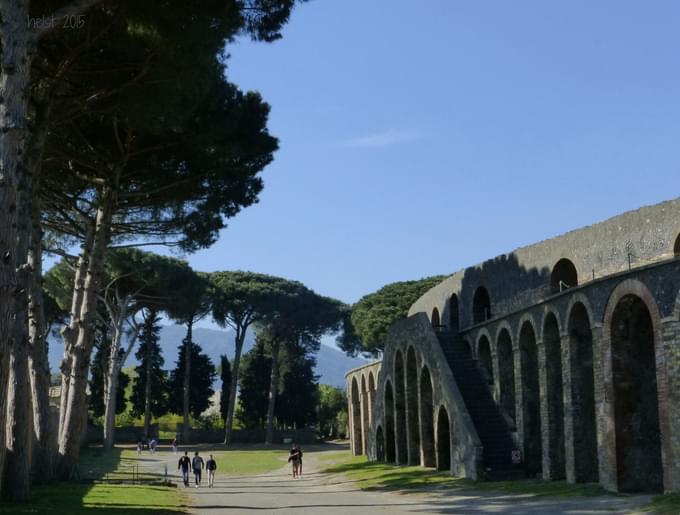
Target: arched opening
426,419
506,374
436,322
379,444
371,392
481,305
390,455
412,407
400,408
531,401
676,246
583,395
443,440
364,413
357,437
553,358
453,313
485,363
563,276
636,407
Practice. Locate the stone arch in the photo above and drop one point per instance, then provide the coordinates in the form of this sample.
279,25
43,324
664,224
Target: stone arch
634,353
582,371
412,406
436,321
400,408
371,391
357,436
481,305
364,413
454,323
390,455
506,372
379,444
443,440
531,400
563,276
555,395
676,246
427,437
484,359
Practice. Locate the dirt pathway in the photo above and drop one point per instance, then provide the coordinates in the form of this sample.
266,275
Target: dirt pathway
329,494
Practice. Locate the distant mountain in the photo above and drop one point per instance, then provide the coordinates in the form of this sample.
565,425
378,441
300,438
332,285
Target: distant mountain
331,364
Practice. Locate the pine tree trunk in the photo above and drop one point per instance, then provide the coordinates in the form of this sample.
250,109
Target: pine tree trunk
15,65
238,348
82,339
38,364
111,382
273,388
147,388
187,381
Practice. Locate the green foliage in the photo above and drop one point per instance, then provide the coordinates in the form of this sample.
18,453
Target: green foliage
365,328
202,377
225,376
298,394
100,366
150,355
254,386
332,411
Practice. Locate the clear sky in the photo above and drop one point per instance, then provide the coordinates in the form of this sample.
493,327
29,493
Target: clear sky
419,137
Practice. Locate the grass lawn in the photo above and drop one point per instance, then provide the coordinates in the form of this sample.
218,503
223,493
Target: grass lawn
374,475
111,499
664,505
257,461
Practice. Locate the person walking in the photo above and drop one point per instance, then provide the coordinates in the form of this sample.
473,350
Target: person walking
211,467
198,465
184,464
294,459
174,445
297,446
152,446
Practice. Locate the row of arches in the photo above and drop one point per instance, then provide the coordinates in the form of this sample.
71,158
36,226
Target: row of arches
361,401
630,346
414,430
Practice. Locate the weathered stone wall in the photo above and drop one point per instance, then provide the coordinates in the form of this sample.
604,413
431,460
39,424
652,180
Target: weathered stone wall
521,278
415,337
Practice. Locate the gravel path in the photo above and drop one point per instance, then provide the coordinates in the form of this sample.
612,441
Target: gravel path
329,494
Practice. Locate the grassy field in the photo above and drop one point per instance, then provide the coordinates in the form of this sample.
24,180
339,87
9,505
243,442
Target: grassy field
256,461
382,476
91,495
664,505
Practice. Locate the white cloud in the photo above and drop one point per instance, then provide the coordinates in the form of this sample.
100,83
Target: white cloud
385,139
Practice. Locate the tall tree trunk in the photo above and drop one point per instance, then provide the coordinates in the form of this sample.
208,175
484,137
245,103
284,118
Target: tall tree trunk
15,66
111,383
147,384
38,364
273,388
187,381
82,339
238,348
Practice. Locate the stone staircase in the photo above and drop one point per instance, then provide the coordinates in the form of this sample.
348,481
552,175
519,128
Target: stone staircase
485,414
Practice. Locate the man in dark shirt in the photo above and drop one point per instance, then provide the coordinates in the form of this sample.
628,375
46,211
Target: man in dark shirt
211,467
197,464
184,464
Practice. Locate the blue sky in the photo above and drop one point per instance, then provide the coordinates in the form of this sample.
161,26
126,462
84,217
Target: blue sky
419,137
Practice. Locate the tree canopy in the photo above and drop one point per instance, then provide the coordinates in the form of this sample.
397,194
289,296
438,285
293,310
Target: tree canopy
366,325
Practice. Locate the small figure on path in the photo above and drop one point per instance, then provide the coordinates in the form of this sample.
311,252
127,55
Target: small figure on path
297,446
174,445
139,446
211,467
184,464
152,446
197,464
294,459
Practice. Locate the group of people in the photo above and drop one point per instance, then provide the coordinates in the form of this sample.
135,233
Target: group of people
151,445
197,465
